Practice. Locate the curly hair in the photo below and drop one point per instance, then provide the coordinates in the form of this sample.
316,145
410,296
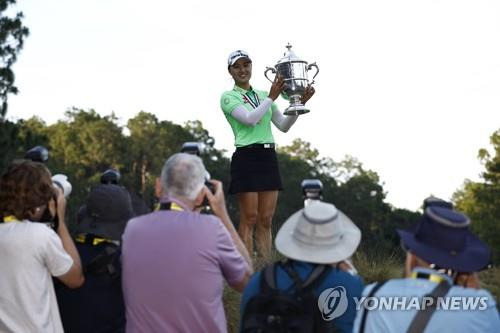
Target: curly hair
24,186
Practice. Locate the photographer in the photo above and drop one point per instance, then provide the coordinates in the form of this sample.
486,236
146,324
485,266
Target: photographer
98,305
442,258
175,260
31,252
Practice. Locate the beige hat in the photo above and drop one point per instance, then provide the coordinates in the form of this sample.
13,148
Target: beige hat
318,233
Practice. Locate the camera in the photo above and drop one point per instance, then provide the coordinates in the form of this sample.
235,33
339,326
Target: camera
62,182
37,154
196,148
312,189
110,176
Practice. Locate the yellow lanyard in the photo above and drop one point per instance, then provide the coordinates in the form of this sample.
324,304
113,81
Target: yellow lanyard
10,218
81,238
431,277
174,206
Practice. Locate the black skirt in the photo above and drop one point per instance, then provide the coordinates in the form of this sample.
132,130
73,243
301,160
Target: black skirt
254,170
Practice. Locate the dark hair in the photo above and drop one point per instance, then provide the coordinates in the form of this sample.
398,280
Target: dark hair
24,186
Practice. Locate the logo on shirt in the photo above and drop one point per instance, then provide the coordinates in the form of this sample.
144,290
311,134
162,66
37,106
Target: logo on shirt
332,303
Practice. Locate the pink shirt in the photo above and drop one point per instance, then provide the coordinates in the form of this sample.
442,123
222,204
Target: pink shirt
174,266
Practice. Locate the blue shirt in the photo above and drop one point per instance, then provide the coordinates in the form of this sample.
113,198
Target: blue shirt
352,283
454,319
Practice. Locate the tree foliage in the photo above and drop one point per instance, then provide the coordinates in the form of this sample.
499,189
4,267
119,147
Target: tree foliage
12,35
481,200
85,144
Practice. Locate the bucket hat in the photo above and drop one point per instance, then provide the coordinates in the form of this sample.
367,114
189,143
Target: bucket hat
318,233
442,237
106,212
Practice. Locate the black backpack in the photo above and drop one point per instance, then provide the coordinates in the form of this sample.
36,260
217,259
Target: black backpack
294,310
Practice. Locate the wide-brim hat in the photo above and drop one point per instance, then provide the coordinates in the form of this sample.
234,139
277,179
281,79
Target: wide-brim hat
318,233
106,212
442,237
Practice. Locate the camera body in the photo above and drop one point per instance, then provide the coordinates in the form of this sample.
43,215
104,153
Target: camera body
37,154
110,176
196,148
312,189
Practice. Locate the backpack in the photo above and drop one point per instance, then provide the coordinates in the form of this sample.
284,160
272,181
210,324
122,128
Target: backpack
294,310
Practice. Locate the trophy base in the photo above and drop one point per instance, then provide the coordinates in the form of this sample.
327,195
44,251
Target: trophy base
295,110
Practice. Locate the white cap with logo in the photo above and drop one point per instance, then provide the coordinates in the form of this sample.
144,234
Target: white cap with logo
234,56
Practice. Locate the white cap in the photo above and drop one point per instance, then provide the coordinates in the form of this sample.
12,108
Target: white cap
234,56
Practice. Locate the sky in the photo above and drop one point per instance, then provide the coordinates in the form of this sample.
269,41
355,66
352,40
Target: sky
409,88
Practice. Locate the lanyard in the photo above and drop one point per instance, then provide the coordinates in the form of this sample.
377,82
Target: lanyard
10,218
431,277
251,98
91,239
171,206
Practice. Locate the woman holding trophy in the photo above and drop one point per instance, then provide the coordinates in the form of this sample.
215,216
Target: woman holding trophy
255,175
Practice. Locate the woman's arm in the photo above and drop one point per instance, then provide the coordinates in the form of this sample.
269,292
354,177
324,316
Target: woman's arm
282,122
251,118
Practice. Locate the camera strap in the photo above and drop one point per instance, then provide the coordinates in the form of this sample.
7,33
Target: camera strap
170,206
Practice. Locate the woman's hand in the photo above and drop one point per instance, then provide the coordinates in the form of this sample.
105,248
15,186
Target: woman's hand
308,94
276,88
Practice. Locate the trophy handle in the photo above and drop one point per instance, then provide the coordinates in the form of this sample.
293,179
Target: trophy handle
267,70
317,70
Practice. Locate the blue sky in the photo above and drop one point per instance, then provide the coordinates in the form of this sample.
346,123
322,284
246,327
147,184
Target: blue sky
410,88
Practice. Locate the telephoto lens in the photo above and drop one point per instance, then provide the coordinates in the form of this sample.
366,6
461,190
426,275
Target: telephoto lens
62,182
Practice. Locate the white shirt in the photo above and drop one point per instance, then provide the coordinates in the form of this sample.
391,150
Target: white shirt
29,254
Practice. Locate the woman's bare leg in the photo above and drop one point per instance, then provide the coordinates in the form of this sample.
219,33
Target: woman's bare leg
263,233
248,203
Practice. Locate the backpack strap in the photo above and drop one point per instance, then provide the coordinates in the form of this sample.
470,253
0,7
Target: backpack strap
424,315
268,278
298,283
104,262
375,288
317,275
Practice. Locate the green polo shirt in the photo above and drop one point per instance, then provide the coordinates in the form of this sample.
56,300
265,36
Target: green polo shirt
245,134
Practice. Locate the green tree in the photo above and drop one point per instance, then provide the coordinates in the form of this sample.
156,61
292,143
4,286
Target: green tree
481,200
150,143
17,138
12,34
82,146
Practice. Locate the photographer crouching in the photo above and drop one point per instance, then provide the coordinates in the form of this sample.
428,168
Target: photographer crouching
30,252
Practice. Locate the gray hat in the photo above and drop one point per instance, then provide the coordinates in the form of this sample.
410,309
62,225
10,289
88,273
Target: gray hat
318,233
106,212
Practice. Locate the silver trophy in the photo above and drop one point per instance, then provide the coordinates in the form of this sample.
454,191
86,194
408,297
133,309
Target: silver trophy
294,71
